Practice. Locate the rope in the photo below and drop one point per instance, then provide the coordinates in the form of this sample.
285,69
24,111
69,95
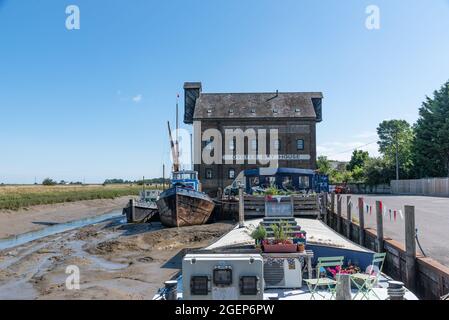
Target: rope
419,244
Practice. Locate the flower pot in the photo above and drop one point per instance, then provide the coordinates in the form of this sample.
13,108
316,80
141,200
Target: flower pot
301,247
279,248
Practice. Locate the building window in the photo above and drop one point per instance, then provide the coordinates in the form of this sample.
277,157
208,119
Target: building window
231,174
277,144
304,182
208,173
254,145
300,144
253,110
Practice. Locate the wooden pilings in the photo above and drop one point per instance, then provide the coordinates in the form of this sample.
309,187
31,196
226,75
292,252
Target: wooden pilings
325,207
410,246
349,217
424,276
379,227
332,208
339,197
361,223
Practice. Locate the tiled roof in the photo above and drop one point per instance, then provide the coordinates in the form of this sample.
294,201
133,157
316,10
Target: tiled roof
256,105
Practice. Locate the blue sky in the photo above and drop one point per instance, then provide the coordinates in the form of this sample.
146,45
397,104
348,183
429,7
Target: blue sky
93,103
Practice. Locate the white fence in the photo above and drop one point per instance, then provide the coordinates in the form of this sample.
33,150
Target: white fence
427,187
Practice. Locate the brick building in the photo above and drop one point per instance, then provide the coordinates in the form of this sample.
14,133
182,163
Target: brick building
294,115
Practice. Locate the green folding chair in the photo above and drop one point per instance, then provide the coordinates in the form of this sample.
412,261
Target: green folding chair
365,282
324,280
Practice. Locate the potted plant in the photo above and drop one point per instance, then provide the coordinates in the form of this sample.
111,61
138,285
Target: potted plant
259,234
280,243
300,237
350,269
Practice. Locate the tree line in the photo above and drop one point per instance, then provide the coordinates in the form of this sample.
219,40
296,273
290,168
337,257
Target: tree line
138,182
51,182
409,151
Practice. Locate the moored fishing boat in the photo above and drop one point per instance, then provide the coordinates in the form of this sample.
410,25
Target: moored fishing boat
144,209
183,204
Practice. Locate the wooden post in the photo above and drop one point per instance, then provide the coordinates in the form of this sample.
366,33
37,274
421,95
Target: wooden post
325,207
339,197
349,217
410,246
241,208
361,223
332,216
319,201
380,228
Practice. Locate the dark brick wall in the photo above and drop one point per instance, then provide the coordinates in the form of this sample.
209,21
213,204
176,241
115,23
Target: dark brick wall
289,132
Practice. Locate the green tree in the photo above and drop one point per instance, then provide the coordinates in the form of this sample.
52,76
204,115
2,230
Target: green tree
431,147
358,159
49,182
396,140
377,171
324,165
358,174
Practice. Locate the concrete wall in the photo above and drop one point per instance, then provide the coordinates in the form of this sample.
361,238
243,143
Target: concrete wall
432,280
426,187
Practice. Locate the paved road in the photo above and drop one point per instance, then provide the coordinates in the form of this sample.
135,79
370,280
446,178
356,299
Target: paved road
432,221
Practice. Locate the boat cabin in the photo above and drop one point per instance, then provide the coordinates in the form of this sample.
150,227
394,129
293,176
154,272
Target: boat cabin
186,178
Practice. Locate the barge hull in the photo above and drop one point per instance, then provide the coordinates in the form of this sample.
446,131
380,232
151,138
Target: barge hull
180,207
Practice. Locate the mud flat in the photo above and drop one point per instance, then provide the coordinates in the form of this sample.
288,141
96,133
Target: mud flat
38,217
116,261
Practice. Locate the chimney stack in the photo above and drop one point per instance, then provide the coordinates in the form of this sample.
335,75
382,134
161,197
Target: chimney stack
192,91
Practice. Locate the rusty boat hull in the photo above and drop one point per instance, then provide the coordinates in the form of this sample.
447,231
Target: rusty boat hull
181,207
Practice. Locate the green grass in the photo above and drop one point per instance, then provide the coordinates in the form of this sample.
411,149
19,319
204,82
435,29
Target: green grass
17,197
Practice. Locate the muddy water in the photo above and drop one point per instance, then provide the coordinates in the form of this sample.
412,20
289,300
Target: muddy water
58,228
116,260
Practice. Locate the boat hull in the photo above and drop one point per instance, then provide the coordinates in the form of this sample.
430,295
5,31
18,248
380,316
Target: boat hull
181,207
141,213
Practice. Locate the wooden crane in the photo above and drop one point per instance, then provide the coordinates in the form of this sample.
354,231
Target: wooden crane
174,149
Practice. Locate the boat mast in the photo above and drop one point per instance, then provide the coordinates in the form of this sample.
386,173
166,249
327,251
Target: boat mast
173,150
177,130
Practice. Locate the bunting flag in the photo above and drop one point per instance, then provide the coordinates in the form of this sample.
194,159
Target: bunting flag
394,215
390,214
370,210
380,205
401,215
